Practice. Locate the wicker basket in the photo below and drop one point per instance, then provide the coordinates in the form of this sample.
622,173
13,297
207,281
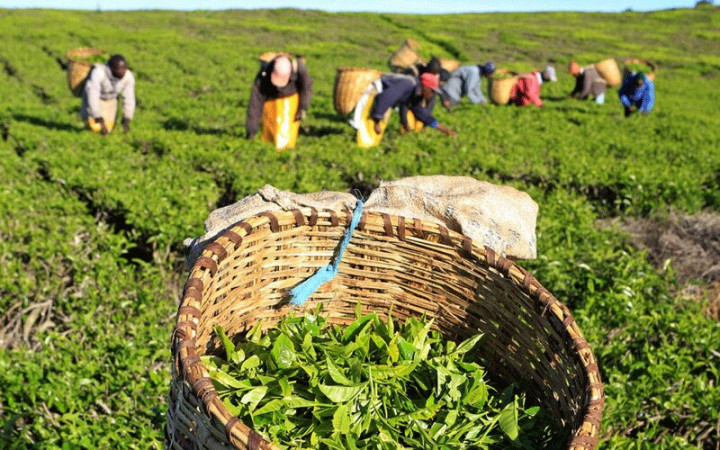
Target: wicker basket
648,73
608,69
78,69
350,83
500,88
449,64
415,267
406,56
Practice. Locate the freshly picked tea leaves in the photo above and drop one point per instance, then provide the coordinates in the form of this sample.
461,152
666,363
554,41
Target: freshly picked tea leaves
372,384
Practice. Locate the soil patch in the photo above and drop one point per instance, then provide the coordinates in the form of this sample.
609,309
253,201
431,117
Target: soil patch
691,243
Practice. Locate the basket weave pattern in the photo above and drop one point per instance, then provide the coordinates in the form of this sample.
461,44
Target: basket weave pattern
500,89
609,70
406,56
77,69
415,267
350,83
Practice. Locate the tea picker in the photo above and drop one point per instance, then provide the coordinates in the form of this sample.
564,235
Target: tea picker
588,81
104,85
637,93
411,98
280,97
526,90
466,81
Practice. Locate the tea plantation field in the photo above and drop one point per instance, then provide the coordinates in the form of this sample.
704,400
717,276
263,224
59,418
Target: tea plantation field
91,229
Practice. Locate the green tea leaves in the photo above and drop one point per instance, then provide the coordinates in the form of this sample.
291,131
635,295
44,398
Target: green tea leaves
372,384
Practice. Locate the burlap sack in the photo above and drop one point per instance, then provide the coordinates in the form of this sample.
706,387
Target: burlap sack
500,217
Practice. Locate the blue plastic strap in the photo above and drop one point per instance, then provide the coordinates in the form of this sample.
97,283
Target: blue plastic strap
303,291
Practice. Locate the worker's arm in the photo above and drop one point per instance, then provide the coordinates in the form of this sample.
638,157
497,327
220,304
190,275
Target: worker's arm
648,98
92,93
254,110
586,86
424,116
623,92
533,91
128,97
579,84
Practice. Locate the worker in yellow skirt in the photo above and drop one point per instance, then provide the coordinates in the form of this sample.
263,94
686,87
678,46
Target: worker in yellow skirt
280,96
404,92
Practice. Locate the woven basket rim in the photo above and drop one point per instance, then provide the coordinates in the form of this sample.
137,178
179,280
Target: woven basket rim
191,369
83,52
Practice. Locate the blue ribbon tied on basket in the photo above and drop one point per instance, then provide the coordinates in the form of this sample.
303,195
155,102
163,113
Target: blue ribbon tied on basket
300,293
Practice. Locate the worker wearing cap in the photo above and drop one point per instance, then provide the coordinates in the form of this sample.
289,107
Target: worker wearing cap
527,89
637,93
404,92
466,81
280,78
105,84
587,82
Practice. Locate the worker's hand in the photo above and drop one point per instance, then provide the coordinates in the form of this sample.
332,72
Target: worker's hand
126,124
633,108
377,128
446,105
301,115
103,128
644,113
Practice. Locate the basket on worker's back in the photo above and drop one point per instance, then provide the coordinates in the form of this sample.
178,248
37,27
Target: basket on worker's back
449,64
78,68
412,266
350,83
500,85
609,70
406,56
650,68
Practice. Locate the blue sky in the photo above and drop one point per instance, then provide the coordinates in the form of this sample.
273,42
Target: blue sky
408,6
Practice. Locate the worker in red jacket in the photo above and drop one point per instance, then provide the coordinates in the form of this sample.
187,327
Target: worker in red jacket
527,90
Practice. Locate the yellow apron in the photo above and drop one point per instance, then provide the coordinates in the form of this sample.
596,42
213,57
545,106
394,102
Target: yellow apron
366,135
108,110
413,123
278,123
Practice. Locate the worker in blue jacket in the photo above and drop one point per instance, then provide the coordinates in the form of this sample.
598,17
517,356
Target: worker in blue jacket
637,93
404,92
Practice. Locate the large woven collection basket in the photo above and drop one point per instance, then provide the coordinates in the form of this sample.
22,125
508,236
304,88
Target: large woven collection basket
406,56
500,88
350,83
78,69
609,70
449,64
649,72
411,266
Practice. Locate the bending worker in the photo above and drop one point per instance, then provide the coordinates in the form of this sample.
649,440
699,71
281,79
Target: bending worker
587,82
105,83
637,93
527,89
466,80
283,79
405,93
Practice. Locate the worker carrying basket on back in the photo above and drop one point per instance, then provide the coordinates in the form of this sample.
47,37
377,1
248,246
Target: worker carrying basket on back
588,82
104,85
280,96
